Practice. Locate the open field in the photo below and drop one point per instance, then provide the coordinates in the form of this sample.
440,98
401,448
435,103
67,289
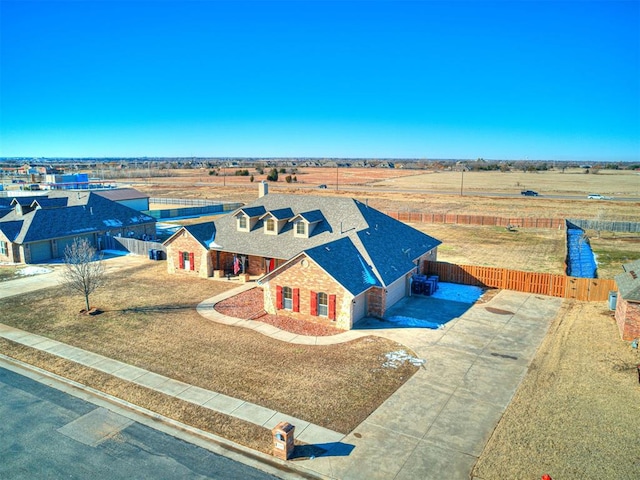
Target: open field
404,190
575,415
158,329
532,250
572,181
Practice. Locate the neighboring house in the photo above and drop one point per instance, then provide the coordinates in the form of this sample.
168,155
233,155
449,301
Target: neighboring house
324,259
628,301
39,228
129,197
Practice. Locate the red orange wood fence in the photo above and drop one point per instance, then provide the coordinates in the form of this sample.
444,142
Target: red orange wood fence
523,222
586,289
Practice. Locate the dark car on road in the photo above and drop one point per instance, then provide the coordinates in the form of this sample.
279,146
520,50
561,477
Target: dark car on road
529,193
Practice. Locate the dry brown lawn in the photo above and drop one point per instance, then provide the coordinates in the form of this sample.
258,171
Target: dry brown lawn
150,321
576,413
572,181
532,250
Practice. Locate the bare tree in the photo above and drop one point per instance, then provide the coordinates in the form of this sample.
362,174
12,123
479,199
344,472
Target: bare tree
84,271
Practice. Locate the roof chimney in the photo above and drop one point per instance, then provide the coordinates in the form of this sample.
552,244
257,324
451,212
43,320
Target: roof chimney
263,189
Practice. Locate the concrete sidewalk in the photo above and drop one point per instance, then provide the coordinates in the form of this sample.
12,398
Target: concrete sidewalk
265,417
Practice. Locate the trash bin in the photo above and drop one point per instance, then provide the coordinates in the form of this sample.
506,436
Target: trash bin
613,300
151,254
283,440
159,255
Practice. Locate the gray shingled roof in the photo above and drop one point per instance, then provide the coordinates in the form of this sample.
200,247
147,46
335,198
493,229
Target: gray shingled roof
342,260
122,194
281,214
46,202
385,244
252,211
629,281
313,216
202,232
11,229
92,213
26,201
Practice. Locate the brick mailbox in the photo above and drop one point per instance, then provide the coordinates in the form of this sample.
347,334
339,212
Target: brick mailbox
283,440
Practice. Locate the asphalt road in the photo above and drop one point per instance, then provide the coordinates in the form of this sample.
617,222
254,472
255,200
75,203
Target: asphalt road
45,433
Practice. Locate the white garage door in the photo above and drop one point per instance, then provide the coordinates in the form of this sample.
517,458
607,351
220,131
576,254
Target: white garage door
40,251
359,307
396,291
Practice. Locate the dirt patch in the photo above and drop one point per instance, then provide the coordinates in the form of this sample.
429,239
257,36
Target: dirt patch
575,414
244,305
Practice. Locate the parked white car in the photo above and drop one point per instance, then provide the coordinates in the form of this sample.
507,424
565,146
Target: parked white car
597,196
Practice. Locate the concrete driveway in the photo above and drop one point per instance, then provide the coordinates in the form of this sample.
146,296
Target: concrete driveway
437,424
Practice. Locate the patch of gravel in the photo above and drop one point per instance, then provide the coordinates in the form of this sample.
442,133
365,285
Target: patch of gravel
247,306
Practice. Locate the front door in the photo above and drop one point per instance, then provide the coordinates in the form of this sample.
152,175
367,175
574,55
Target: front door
185,259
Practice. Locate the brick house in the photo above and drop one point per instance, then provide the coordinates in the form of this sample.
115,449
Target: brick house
38,228
628,301
323,259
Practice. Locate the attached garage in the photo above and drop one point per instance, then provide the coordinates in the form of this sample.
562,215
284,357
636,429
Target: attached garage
63,243
396,291
359,308
40,251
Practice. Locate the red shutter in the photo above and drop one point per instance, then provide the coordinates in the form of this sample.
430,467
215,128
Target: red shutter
180,260
191,262
313,303
296,299
279,297
332,307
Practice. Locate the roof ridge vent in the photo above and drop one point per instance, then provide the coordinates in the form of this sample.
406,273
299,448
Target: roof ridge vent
633,274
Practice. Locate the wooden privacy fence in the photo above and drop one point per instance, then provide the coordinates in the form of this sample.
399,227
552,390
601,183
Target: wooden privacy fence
132,245
586,289
523,222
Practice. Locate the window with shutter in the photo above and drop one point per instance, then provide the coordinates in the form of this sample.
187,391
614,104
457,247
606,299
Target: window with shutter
313,303
279,297
287,298
322,304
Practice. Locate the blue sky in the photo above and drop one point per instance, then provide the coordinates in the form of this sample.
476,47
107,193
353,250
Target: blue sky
422,79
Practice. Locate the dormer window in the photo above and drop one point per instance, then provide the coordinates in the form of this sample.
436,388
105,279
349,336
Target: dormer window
270,225
301,229
243,223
